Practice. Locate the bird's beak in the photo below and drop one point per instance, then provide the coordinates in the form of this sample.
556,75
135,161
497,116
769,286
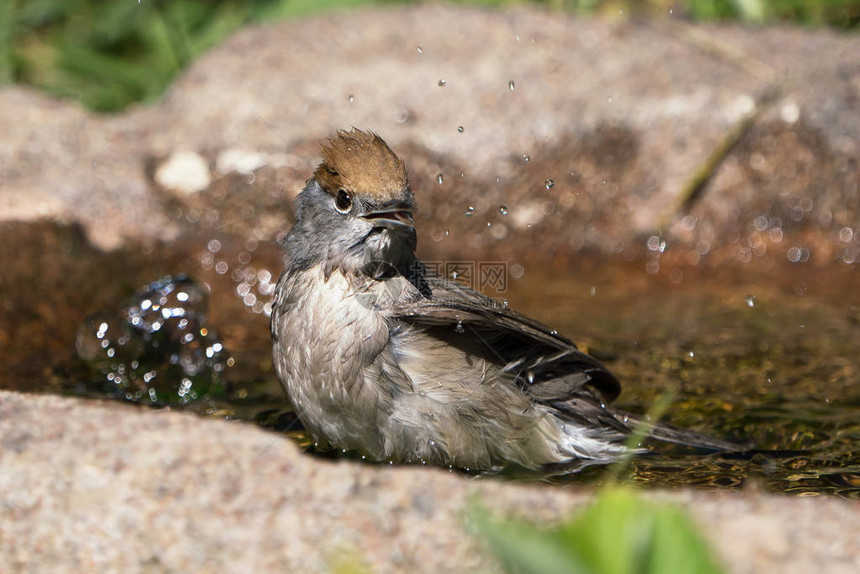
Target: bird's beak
391,216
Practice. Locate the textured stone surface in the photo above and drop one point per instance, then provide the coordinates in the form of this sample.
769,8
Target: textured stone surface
89,487
619,115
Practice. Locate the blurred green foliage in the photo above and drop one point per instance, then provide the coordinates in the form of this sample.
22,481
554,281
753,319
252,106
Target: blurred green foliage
111,53
618,533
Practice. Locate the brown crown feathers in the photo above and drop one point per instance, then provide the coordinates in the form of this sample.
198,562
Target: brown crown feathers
361,163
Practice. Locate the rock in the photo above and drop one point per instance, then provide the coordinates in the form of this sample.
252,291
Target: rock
184,172
100,487
620,115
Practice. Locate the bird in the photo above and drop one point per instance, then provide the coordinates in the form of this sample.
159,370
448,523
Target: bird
383,359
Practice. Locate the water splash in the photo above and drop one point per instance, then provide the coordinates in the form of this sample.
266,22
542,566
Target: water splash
157,346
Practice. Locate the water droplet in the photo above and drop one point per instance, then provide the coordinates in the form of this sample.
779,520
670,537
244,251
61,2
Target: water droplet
553,332
459,328
351,98
442,83
470,210
750,300
447,232
141,344
461,129
775,234
420,51
655,243
689,222
498,179
503,209
527,158
691,354
608,99
549,184
511,85
798,254
440,178
489,224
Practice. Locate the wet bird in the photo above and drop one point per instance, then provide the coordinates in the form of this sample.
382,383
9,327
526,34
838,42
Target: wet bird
380,358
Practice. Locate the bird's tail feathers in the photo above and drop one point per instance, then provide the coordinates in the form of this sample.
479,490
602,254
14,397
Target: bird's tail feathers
669,433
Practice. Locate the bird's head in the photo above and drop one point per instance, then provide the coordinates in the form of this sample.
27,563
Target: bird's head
355,213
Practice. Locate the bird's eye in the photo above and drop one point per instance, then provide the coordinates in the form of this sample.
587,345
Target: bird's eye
343,201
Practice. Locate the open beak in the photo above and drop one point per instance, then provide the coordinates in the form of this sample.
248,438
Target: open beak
392,217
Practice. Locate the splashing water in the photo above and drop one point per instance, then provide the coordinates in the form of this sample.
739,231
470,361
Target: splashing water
156,347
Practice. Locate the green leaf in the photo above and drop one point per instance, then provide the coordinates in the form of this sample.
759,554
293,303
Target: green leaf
526,549
619,533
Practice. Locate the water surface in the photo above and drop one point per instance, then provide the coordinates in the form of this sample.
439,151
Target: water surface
750,354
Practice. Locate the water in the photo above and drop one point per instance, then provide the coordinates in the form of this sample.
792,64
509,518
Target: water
157,346
776,368
768,358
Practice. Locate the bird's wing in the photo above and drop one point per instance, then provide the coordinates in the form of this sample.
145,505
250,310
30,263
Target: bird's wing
547,365
544,364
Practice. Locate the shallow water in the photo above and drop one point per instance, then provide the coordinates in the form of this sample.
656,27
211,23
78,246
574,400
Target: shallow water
767,356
